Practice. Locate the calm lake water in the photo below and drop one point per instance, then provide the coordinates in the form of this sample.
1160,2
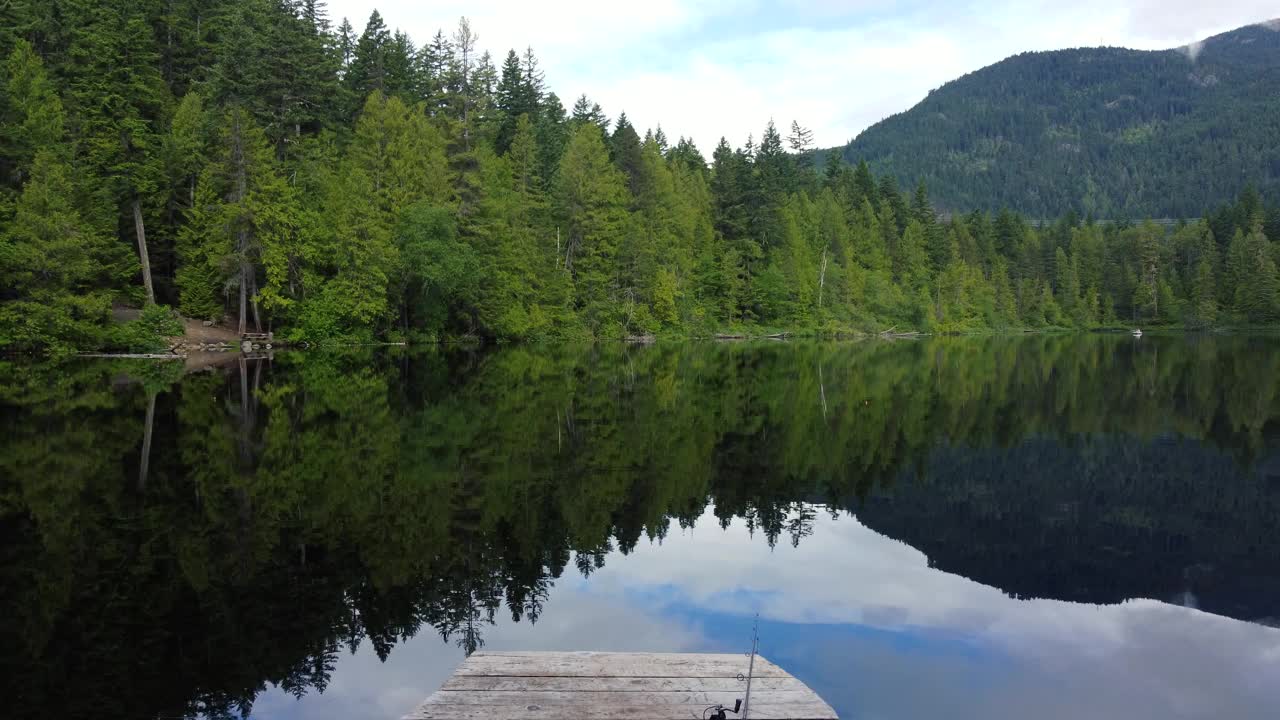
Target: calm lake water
1047,527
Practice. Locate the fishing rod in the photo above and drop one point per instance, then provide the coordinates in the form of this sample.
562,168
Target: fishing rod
740,704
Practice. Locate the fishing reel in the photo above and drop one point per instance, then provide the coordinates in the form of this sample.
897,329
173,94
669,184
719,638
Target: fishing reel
720,711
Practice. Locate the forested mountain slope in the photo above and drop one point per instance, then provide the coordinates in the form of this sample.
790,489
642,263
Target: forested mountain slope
1111,132
255,164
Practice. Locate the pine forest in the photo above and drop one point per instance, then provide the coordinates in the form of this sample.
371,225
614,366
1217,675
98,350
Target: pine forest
257,164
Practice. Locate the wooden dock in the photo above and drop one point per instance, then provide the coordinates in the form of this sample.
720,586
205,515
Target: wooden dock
616,686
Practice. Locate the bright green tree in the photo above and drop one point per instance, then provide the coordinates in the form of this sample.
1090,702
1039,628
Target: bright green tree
1256,289
60,270
590,203
244,216
120,98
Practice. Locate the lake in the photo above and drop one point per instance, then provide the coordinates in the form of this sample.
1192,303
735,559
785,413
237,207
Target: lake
1049,526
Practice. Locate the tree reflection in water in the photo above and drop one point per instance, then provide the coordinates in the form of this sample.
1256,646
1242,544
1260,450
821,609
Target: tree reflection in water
173,544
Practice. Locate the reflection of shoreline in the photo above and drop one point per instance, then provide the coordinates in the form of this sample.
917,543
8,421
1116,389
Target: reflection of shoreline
987,654
295,507
846,572
865,619
1095,537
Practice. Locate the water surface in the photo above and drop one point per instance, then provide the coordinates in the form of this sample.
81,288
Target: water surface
1050,527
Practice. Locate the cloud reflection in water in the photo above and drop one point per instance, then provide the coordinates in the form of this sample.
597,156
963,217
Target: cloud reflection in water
867,622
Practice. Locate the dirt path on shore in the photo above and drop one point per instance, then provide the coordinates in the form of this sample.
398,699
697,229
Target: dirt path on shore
194,332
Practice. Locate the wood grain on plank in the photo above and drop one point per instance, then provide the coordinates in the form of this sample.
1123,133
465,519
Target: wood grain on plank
634,699
615,686
813,711
620,684
616,665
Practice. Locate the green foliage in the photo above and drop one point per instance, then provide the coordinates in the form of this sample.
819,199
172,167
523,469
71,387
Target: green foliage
31,116
437,269
51,267
243,214
149,332
58,268
1256,296
591,198
204,249
333,186
300,506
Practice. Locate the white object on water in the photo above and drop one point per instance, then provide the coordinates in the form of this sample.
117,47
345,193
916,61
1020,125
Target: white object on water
1137,332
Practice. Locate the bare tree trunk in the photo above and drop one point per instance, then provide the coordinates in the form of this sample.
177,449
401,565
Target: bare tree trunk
143,258
244,435
568,254
242,240
465,42
1155,292
244,295
253,299
822,276
822,391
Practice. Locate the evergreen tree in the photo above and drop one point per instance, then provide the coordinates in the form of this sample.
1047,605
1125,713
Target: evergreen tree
31,116
437,272
1203,308
401,153
1006,305
911,262
800,139
119,98
280,67
865,184
1067,283
331,186
527,294
591,204
484,87
346,45
552,133
59,270
461,97
801,143
768,191
516,95
433,73
243,219
1256,289
585,111
624,150
401,66
368,70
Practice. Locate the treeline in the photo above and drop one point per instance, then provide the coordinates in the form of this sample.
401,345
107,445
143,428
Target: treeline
245,159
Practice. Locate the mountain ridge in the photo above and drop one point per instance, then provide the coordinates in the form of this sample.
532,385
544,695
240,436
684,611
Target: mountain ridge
1107,132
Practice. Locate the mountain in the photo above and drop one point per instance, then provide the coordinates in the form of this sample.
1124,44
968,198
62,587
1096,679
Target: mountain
1108,132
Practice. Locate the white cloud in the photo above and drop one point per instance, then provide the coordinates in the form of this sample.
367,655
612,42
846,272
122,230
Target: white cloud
708,68
1079,660
362,686
1018,658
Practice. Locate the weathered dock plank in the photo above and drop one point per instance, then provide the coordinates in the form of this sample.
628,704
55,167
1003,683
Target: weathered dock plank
591,711
617,665
609,686
633,698
619,684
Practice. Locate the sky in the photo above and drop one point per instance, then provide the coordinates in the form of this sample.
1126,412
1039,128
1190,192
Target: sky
711,68
866,622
